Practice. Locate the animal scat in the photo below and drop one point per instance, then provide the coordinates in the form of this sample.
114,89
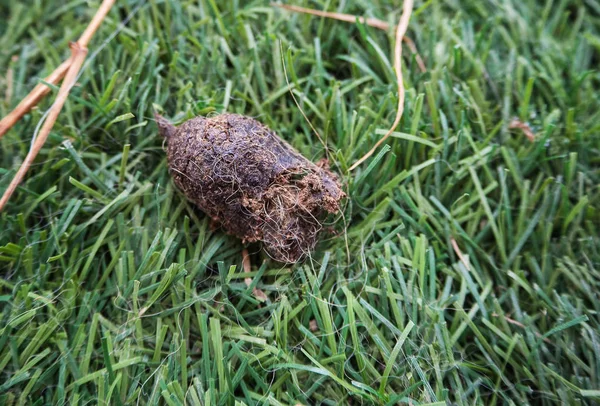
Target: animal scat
252,182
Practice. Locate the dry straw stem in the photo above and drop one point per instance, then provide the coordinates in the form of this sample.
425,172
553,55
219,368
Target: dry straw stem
78,56
71,70
460,254
519,324
400,36
33,98
516,123
296,101
38,92
371,22
400,31
91,29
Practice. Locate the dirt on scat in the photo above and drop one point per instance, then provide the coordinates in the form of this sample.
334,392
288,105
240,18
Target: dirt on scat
253,183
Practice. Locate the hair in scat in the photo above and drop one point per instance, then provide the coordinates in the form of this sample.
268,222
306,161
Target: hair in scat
252,182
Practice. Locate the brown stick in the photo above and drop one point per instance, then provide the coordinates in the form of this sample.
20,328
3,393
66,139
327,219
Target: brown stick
460,254
78,56
38,92
413,48
33,98
349,18
400,31
91,29
296,101
516,123
517,323
78,53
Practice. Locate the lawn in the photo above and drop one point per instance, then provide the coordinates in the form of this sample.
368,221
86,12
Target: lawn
463,269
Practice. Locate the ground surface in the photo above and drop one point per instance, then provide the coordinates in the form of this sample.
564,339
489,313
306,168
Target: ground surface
474,263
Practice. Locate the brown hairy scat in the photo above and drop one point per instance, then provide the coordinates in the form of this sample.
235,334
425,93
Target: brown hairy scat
252,182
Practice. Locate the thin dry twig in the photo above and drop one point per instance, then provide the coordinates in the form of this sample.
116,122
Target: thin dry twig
91,29
413,48
33,98
400,31
78,54
73,65
460,254
296,101
259,294
349,18
516,123
519,324
38,92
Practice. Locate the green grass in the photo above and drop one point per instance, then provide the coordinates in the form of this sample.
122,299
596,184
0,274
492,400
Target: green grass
115,290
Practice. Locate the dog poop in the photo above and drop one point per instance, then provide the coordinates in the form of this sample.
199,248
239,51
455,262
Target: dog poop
252,182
